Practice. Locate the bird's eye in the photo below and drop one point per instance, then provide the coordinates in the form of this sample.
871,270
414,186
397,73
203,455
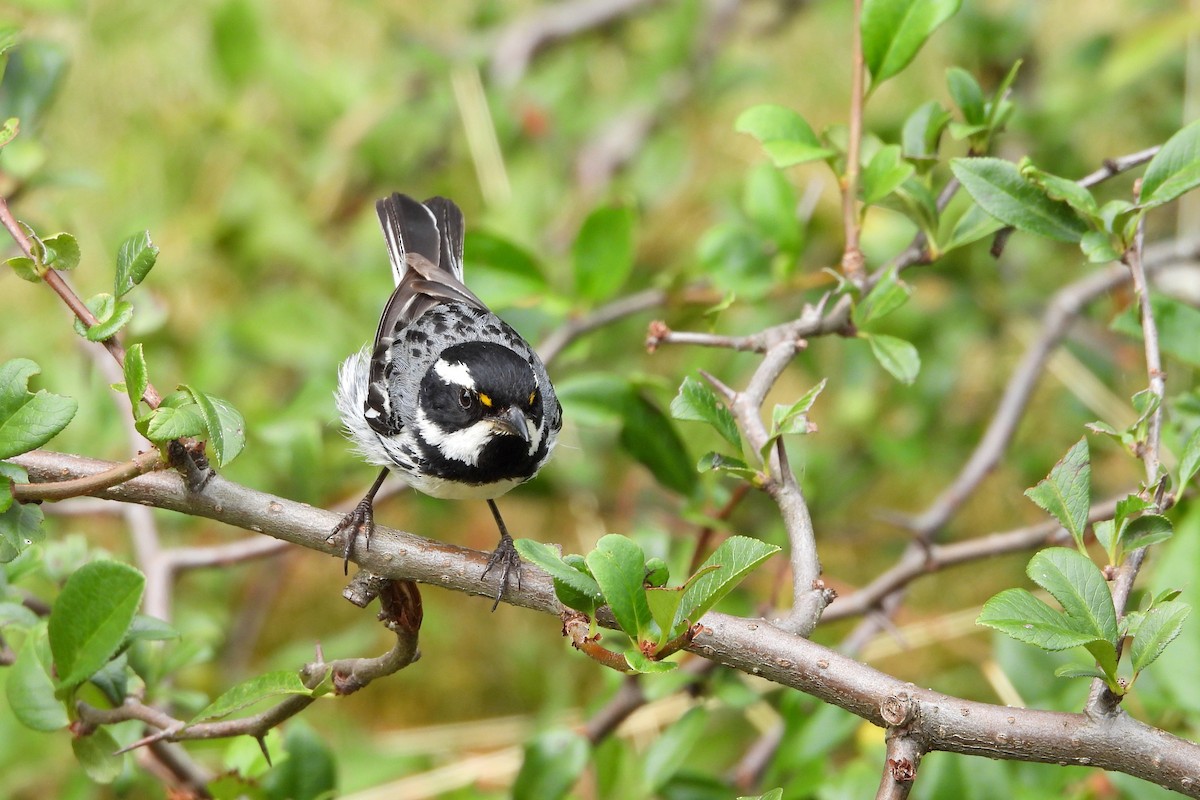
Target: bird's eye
465,398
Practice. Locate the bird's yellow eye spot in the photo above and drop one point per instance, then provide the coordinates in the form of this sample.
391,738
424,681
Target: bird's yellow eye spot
483,398
532,398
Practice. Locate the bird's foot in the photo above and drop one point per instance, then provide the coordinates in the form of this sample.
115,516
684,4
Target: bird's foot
504,556
359,522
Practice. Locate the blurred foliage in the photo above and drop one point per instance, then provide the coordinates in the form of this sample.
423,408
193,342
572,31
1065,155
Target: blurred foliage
251,138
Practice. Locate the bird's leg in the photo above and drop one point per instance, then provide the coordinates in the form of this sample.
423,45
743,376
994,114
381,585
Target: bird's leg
504,555
359,522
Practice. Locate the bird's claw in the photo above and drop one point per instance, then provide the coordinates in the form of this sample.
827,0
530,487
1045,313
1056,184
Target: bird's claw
359,522
505,555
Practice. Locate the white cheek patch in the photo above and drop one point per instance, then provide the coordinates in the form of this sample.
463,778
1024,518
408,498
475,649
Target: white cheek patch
465,445
456,373
535,438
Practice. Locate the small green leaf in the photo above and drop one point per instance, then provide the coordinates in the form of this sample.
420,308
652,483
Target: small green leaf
30,691
1189,465
997,186
897,356
769,201
20,526
923,130
723,463
1079,671
736,557
1025,618
309,772
973,225
165,424
247,693
547,558
1059,188
16,615
136,375
665,601
774,794
1161,626
666,756
111,315
1175,168
61,252
893,31
696,401
967,95
135,258
785,136
26,268
28,421
1079,587
10,474
91,617
96,753
618,565
889,294
226,427
793,419
150,629
1145,531
1106,535
1098,247
884,174
1066,492
11,126
553,762
638,662
603,252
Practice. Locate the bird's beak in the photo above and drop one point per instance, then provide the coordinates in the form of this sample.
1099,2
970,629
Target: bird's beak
512,422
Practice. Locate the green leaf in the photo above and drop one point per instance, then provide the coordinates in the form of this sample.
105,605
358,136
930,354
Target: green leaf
96,753
135,258
1025,618
1161,626
1059,188
1098,247
973,225
28,421
889,294
723,463
897,356
736,557
603,252
165,423
553,762
893,31
1079,671
1106,535
61,252
1145,531
1189,465
111,315
884,174
618,565
247,693
1079,587
502,271
26,268
136,375
648,435
30,691
17,616
665,601
785,136
150,629
1175,169
20,526
226,427
774,794
547,558
10,128
967,95
10,474
793,419
1066,492
770,203
923,130
638,662
667,755
91,617
310,770
997,186
696,401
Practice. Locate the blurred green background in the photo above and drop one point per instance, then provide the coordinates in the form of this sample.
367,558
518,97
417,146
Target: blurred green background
251,139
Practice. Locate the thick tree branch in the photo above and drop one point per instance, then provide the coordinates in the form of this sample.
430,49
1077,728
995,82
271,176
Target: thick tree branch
1116,742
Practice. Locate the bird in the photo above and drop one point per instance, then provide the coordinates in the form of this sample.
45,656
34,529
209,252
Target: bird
449,395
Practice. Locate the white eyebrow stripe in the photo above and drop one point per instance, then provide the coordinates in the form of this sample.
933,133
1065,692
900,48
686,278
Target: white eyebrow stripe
456,373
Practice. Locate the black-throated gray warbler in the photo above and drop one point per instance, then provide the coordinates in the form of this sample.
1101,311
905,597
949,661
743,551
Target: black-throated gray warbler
449,396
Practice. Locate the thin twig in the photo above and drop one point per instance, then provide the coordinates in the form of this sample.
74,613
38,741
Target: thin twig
553,345
92,484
